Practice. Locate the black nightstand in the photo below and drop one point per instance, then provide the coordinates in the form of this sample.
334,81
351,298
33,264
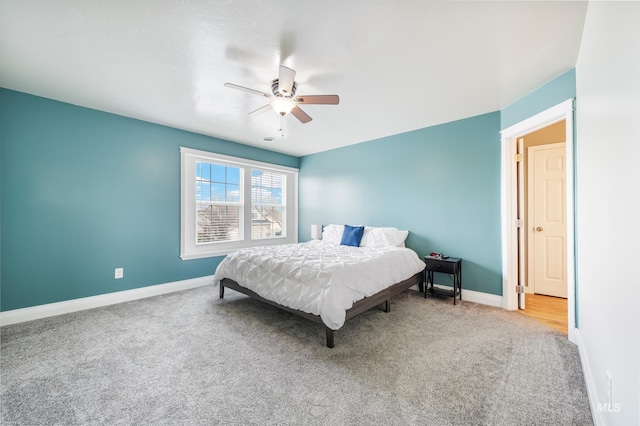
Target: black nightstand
451,266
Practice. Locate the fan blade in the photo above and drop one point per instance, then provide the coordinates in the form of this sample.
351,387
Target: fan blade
285,80
246,89
261,109
300,115
318,99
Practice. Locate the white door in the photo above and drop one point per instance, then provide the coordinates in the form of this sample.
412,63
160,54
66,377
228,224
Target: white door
547,219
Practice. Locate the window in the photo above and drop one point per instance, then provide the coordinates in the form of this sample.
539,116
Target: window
267,206
217,202
228,203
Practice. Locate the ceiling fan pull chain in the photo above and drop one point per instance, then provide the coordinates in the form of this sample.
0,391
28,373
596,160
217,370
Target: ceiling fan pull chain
282,126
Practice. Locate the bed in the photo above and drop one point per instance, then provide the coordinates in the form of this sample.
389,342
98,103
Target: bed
326,281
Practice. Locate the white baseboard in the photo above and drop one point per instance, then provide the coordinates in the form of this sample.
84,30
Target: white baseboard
51,309
474,296
592,393
59,308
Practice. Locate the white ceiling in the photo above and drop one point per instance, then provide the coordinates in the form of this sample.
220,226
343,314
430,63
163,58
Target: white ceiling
397,65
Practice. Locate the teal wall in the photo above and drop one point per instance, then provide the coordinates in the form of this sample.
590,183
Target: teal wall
552,93
84,192
441,183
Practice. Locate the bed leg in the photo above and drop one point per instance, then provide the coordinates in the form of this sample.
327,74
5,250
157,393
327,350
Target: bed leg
221,291
330,334
387,306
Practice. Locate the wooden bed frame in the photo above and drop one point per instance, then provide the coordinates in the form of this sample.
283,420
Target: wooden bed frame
360,306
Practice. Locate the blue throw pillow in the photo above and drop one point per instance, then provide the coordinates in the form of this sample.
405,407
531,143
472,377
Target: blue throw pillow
352,235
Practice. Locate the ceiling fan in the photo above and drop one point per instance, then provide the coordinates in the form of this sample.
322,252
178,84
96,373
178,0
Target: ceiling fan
283,97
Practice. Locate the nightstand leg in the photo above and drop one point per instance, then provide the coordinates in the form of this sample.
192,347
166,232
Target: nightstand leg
455,287
426,282
428,285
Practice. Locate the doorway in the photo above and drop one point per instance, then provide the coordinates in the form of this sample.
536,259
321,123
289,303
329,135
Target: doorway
544,205
515,272
542,240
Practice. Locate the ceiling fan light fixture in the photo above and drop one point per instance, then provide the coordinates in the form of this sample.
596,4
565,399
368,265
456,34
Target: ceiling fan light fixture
282,105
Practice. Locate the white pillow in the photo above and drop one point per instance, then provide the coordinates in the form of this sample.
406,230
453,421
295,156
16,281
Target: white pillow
332,234
383,236
372,237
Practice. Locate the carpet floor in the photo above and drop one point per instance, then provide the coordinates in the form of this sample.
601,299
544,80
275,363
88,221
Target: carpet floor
190,358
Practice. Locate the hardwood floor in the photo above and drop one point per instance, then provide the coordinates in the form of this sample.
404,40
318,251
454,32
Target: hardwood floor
547,309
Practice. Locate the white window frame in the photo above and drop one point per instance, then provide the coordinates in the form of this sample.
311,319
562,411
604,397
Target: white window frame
189,249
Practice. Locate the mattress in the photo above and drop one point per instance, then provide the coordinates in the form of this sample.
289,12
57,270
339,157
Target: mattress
317,277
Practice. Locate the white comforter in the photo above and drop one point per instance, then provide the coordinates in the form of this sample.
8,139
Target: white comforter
319,278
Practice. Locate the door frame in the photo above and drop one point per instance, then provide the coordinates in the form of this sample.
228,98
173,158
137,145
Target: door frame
509,204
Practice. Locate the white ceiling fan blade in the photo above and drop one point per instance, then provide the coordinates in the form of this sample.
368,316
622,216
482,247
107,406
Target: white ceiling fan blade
300,115
285,80
246,89
318,99
261,109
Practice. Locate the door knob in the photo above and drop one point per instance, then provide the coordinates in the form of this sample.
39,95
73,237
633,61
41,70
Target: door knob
539,228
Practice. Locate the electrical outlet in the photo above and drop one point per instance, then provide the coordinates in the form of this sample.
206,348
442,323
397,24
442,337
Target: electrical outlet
119,273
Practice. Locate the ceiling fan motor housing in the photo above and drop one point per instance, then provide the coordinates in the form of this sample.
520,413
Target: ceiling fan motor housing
275,88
